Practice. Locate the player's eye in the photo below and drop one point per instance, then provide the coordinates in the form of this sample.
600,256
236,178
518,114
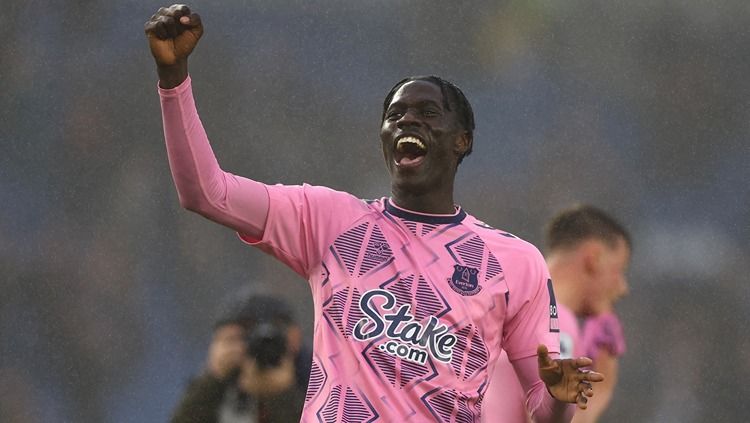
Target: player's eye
394,115
430,113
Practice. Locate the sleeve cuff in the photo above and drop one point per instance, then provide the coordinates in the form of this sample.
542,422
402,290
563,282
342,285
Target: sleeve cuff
184,86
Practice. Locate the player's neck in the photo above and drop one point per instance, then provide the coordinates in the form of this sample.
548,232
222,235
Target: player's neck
568,297
432,203
565,284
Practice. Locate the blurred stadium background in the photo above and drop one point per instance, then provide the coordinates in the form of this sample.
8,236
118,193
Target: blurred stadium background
109,289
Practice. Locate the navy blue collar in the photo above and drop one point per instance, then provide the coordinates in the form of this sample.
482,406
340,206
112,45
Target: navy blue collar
433,219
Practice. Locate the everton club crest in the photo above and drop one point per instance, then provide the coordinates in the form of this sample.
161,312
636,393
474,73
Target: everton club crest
465,280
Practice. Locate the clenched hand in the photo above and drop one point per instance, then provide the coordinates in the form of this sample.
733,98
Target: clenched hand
173,32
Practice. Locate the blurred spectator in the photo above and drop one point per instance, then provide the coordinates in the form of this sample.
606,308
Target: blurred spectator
256,371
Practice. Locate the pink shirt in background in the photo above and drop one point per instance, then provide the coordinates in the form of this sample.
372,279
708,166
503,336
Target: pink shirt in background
505,401
603,332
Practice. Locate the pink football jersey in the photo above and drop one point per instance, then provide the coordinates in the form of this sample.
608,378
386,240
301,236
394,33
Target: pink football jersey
411,309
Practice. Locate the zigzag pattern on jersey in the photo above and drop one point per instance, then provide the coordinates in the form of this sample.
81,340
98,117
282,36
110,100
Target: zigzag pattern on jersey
471,252
349,248
318,378
325,274
425,301
470,353
351,408
445,404
418,228
342,310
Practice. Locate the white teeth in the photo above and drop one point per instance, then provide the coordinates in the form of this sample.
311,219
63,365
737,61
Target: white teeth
412,140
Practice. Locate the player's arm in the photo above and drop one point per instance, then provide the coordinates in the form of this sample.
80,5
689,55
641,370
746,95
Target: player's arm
541,405
202,186
551,384
607,364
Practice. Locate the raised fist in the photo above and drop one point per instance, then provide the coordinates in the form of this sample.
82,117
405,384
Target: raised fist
173,33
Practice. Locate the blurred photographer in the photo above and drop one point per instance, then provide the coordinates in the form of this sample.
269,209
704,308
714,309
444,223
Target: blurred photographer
256,371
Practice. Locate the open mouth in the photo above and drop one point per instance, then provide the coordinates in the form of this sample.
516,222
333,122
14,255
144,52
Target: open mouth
410,151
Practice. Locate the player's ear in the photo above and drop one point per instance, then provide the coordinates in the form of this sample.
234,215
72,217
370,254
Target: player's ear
463,144
591,252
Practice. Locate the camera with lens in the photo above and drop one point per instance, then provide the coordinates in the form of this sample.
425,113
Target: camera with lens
267,344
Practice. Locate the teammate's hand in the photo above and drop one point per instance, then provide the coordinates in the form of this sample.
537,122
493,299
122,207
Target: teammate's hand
173,33
564,378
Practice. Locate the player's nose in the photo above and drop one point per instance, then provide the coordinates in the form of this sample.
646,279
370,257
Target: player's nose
408,118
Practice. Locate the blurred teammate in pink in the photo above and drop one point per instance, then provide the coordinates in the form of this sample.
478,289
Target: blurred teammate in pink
414,298
588,255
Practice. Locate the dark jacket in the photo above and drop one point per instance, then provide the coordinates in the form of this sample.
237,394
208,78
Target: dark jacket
210,400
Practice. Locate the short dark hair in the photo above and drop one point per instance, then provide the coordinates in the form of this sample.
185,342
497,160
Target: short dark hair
453,99
580,223
249,309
